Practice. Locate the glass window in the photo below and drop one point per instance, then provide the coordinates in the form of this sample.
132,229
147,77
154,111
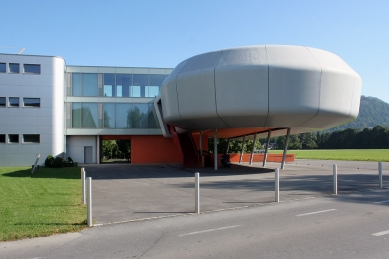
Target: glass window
142,81
152,91
152,117
2,68
76,84
109,115
89,115
123,119
13,138
2,101
156,79
89,85
31,138
135,91
76,115
32,68
32,102
13,102
138,115
13,67
123,83
2,138
109,85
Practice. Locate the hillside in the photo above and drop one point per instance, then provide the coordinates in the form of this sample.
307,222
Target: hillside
372,112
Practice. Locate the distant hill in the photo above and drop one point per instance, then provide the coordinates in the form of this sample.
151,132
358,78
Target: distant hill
372,112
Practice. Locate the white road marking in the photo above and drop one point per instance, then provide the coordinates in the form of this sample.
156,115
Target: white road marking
208,230
381,233
377,202
315,212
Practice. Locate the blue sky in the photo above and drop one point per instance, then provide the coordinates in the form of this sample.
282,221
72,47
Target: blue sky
151,33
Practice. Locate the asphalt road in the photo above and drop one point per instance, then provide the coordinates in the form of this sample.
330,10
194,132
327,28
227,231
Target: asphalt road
354,225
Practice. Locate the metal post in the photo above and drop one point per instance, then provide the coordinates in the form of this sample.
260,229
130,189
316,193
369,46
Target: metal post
98,149
380,174
228,145
277,185
215,158
241,152
285,149
267,148
89,218
197,193
252,150
83,194
335,169
201,143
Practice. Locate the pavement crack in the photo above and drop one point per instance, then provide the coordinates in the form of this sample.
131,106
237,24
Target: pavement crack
156,241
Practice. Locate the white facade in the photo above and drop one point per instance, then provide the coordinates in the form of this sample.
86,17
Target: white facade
27,130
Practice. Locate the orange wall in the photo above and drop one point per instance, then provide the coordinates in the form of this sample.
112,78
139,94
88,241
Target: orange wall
153,149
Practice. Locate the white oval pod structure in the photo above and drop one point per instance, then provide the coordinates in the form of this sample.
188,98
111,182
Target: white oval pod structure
257,88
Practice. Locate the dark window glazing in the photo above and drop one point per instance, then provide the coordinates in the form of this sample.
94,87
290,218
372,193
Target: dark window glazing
2,68
141,81
13,138
13,67
2,138
13,102
89,85
109,115
123,83
32,68
2,101
31,102
109,85
31,138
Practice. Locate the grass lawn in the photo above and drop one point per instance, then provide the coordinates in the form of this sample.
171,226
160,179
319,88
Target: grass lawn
378,155
40,204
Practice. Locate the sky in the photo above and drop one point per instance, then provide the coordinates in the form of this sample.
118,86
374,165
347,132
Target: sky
162,33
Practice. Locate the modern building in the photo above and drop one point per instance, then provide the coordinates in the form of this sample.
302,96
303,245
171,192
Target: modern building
49,108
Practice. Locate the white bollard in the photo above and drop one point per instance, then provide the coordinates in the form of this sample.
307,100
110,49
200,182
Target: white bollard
277,185
380,174
89,205
335,169
83,194
197,193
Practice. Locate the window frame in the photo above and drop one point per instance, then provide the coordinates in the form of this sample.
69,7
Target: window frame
9,68
5,102
31,73
12,135
13,106
5,67
31,142
31,106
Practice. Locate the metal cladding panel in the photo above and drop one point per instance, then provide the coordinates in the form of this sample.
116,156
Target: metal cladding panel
241,80
196,88
294,86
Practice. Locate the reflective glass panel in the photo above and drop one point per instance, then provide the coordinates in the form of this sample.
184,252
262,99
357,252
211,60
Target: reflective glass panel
123,115
156,79
2,101
13,102
2,68
135,91
89,85
76,115
89,115
109,85
138,115
152,117
142,81
109,115
32,102
123,83
32,68
13,68
152,91
76,84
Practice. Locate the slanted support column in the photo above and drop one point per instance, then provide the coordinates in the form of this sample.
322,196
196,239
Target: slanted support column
228,145
215,148
241,152
267,148
252,150
285,149
201,143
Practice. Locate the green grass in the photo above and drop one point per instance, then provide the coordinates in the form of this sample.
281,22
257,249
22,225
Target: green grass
378,155
40,204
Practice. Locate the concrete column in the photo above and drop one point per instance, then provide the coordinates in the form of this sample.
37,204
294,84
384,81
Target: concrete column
285,149
241,152
252,150
215,149
267,148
